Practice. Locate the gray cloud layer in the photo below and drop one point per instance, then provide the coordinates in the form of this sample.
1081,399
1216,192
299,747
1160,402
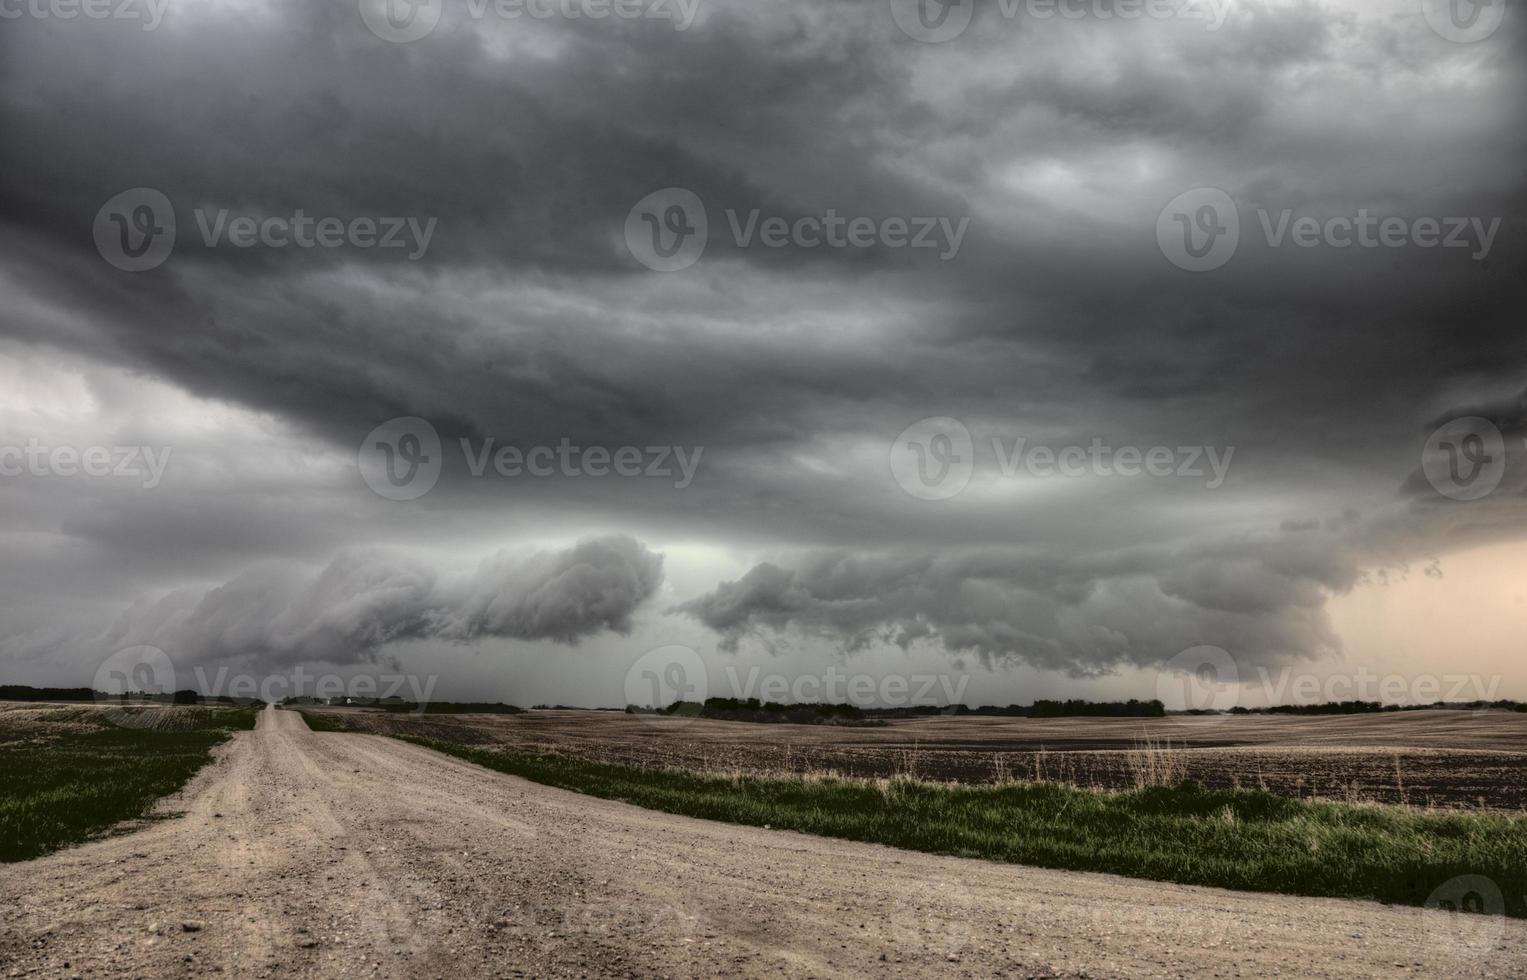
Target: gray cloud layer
527,320
1262,599
1261,595
361,602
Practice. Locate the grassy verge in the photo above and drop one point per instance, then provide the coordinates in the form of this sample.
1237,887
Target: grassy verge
1251,841
62,789
322,721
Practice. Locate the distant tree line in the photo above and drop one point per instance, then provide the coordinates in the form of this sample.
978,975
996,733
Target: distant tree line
23,692
452,707
400,706
1372,707
1073,708
1098,709
752,709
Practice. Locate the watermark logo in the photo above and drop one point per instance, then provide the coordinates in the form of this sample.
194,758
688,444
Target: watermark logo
933,459
150,13
1367,230
401,459
936,21
1467,915
1364,685
147,464
135,231
402,21
301,230
1100,458
1202,678
932,21
666,676
134,674
667,230
1206,679
1464,21
1200,230
1465,459
832,686
356,689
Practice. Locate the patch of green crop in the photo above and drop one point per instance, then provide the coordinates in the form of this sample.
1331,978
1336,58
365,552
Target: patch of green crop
1252,841
62,789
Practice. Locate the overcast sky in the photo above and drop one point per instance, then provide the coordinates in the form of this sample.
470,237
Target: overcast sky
1103,339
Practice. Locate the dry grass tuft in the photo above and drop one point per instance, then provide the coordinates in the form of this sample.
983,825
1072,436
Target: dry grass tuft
1156,763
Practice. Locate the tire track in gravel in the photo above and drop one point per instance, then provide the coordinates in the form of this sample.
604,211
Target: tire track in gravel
301,854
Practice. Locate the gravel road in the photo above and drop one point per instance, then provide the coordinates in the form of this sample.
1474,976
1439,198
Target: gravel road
299,854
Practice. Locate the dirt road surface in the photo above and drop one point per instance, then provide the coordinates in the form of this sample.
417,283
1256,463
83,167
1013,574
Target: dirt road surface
299,854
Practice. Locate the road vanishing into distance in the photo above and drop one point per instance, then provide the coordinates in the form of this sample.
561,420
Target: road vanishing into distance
303,854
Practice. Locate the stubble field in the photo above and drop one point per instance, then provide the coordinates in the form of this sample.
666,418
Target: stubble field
1444,759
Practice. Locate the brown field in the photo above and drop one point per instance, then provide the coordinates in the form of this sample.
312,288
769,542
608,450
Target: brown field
319,856
33,719
1452,759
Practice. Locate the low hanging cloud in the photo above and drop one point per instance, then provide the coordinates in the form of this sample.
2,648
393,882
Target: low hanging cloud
1260,595
1084,615
362,601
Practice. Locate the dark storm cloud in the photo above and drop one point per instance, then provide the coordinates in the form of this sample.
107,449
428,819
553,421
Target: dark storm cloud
1508,416
1261,595
526,320
529,164
1083,615
362,601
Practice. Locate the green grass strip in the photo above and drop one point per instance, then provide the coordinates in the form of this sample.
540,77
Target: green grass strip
323,721
64,789
1252,841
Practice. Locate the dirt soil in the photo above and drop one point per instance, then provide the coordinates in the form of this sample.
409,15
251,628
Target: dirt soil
1455,759
26,720
302,854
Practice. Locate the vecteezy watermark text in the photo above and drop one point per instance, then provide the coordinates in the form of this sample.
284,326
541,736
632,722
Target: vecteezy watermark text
137,229
149,13
401,21
144,463
1208,679
1201,230
325,687
401,459
935,21
934,459
144,671
677,673
833,686
305,231
668,230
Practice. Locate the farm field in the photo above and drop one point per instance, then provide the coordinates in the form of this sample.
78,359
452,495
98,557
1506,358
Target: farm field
321,854
1445,759
73,772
